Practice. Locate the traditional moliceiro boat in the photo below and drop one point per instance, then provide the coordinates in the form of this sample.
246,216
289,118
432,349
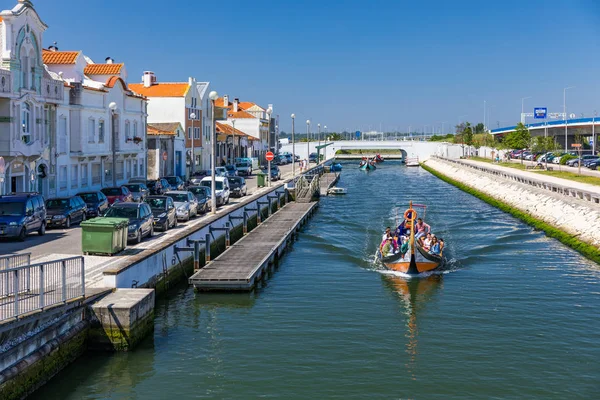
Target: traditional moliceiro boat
366,165
411,258
378,158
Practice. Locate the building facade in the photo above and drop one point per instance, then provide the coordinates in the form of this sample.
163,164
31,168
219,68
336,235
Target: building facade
166,147
67,123
186,103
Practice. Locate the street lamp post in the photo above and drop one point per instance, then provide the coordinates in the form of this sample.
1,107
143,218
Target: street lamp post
213,149
307,142
319,152
193,163
113,109
233,144
293,151
565,113
594,133
523,108
269,112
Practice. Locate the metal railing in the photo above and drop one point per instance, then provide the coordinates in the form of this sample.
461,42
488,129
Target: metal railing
14,261
538,183
28,288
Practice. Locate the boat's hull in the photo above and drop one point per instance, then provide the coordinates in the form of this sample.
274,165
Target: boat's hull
412,164
367,167
412,267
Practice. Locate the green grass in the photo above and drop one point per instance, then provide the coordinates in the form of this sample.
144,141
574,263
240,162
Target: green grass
585,249
502,163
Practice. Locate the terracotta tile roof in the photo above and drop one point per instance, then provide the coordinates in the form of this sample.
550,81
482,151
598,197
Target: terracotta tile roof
244,105
1,19
220,102
59,57
163,128
167,89
239,114
228,129
103,69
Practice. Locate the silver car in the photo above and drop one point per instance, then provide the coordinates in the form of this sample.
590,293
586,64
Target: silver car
186,204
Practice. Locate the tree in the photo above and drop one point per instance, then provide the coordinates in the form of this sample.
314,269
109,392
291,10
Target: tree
479,128
467,134
460,127
520,138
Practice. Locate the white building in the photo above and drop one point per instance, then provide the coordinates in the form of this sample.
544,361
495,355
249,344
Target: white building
171,102
29,98
101,124
165,140
56,126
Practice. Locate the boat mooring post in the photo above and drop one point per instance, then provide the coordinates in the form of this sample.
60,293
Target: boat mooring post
207,248
270,197
258,203
246,209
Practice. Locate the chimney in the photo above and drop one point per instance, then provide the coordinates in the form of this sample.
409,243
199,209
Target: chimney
54,47
148,79
190,81
226,101
109,60
235,104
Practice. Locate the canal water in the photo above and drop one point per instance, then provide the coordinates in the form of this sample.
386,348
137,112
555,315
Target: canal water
514,315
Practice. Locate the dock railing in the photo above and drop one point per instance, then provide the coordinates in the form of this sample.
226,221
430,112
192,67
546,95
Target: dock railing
29,288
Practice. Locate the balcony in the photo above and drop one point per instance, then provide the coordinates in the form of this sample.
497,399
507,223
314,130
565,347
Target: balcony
52,89
5,81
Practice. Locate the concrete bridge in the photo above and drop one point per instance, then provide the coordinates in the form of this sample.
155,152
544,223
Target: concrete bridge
408,148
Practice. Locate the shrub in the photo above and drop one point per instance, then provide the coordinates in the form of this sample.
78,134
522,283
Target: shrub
566,157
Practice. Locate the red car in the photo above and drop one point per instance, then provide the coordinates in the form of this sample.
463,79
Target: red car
118,194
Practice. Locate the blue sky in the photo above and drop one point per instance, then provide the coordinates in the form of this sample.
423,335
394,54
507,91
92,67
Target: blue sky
353,64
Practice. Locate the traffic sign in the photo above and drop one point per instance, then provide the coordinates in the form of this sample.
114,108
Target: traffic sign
358,134
540,112
269,156
165,155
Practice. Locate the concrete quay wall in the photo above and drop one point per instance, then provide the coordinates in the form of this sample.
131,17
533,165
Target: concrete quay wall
577,218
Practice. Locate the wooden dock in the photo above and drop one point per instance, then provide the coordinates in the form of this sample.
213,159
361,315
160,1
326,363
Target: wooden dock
327,181
242,266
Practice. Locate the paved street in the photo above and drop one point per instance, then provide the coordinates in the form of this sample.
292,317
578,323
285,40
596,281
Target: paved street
67,242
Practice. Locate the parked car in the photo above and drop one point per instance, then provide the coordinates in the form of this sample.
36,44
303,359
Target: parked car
197,176
583,159
587,163
243,168
237,186
175,182
163,210
231,170
312,158
289,157
117,194
96,203
186,205
139,191
202,194
244,159
21,214
221,171
64,211
156,187
222,191
556,159
138,179
141,220
275,172
280,160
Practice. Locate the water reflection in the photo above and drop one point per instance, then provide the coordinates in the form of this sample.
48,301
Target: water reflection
415,294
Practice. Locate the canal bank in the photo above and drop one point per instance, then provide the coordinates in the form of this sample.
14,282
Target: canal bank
512,309
572,219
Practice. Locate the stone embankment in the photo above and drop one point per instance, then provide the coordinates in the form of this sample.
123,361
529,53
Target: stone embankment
579,220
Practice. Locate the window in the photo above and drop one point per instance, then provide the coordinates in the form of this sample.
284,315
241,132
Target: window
127,131
196,133
189,132
62,135
91,130
96,174
101,131
135,168
120,167
26,123
62,178
74,176
84,175
135,132
29,208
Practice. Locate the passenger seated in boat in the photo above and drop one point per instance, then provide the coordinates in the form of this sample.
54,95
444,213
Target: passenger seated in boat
387,248
402,230
426,242
441,245
422,228
435,247
388,232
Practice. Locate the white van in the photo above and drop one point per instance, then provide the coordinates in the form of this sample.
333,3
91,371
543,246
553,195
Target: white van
222,190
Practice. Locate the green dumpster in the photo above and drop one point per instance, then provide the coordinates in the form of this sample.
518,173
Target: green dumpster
260,179
104,235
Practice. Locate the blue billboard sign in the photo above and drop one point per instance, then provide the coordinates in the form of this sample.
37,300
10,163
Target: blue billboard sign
358,134
540,113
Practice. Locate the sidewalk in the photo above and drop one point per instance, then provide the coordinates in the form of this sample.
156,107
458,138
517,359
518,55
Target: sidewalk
537,176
